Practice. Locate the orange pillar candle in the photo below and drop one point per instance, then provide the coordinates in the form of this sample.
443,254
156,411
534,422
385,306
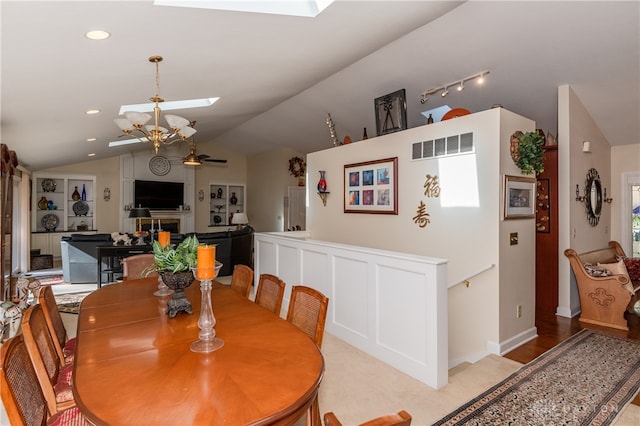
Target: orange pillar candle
206,262
164,237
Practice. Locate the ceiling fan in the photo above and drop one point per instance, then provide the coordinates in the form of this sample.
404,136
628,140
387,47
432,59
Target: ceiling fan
193,159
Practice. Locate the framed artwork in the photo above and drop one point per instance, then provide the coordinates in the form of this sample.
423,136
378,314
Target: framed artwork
519,197
371,187
391,112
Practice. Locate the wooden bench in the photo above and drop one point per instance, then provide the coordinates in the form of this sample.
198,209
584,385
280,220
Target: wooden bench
604,299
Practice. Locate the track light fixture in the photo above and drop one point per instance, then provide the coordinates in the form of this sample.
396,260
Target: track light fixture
479,77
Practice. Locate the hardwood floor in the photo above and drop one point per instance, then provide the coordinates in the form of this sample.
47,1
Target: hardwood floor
553,329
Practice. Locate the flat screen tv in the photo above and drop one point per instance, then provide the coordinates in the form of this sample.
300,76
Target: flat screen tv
156,195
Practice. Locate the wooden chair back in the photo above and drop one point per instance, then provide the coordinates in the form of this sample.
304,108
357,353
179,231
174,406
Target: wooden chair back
133,266
270,293
401,418
54,320
308,311
241,279
42,351
21,394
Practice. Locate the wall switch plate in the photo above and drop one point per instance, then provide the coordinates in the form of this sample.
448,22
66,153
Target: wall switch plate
519,311
513,238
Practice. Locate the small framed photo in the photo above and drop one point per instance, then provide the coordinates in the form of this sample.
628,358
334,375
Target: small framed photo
391,112
519,197
371,187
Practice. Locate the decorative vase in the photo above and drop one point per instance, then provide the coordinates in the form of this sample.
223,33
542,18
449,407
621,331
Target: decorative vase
43,204
84,193
219,192
322,184
178,282
233,200
76,195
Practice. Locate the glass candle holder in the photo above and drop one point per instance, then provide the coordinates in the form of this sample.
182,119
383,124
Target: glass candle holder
207,340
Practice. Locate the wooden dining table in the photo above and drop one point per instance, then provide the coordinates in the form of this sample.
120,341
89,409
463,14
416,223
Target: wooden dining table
133,364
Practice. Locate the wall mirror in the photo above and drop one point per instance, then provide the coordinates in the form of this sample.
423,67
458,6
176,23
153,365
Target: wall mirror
593,196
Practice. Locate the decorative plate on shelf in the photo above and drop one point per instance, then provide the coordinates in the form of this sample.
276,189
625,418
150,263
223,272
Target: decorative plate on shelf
217,219
80,208
50,222
159,165
48,185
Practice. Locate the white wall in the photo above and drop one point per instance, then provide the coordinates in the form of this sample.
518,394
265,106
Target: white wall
465,220
267,186
575,126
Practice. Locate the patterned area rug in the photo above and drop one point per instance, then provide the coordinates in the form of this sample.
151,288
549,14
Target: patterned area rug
586,380
70,303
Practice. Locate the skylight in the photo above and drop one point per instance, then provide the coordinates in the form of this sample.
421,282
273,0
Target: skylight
437,113
308,8
169,105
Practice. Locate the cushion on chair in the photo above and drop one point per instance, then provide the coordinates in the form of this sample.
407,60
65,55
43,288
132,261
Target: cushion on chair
618,268
596,271
69,350
69,417
62,387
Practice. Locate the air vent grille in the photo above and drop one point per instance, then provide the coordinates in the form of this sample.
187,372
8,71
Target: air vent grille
443,147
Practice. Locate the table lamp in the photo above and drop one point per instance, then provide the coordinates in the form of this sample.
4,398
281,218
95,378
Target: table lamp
239,219
137,213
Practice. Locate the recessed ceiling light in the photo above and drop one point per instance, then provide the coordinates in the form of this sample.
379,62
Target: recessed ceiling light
97,35
93,111
93,154
91,140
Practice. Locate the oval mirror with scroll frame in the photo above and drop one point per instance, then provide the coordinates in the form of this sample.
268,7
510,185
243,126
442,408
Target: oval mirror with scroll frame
593,196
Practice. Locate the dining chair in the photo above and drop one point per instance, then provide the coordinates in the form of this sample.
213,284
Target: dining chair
401,418
20,390
65,346
241,279
134,266
270,293
54,376
308,311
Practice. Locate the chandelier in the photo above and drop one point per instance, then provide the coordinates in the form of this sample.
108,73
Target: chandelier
135,122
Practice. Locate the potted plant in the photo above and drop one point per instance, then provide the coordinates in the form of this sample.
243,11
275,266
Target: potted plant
529,152
174,267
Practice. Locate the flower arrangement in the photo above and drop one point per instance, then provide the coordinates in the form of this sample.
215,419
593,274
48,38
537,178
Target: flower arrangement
297,167
179,259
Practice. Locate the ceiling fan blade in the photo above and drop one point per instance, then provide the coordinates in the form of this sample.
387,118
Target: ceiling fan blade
214,160
202,156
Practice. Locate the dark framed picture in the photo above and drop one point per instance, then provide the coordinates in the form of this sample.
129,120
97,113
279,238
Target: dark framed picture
391,112
371,187
519,197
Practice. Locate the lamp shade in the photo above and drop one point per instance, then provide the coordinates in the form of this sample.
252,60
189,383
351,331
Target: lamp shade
139,212
240,219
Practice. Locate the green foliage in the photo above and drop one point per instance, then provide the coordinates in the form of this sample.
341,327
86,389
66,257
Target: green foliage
179,259
530,153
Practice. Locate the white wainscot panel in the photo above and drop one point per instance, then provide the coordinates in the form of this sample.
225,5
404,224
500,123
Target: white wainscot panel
400,299
350,296
390,305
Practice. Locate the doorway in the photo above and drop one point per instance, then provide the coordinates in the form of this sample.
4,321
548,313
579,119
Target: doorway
297,214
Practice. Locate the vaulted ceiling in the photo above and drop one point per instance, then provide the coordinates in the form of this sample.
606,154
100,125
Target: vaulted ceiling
279,76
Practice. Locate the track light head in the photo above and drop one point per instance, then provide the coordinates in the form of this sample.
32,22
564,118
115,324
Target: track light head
445,92
460,87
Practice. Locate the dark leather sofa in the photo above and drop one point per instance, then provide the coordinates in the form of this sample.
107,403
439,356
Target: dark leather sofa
79,252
